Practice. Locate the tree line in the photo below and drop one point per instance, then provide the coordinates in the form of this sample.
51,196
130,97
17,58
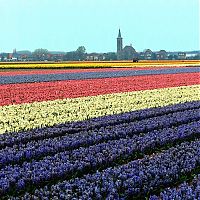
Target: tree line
77,55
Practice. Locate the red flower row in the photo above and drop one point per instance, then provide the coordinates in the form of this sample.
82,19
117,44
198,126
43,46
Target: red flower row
61,71
43,91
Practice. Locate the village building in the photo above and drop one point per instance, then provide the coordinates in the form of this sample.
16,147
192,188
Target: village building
148,54
95,56
181,55
126,53
161,55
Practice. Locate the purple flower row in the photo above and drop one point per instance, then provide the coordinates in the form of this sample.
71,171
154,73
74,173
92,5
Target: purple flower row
183,191
10,139
135,179
37,149
92,75
86,160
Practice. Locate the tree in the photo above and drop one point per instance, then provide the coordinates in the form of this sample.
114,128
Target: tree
40,54
153,57
72,55
197,57
170,57
111,56
3,57
81,49
175,57
81,53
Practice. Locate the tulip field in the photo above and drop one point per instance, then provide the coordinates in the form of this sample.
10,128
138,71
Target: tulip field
96,64
101,133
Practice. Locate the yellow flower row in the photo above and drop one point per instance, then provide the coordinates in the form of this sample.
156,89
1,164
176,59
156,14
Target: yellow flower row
95,64
48,113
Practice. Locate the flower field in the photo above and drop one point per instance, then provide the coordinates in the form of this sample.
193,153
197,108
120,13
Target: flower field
97,64
110,133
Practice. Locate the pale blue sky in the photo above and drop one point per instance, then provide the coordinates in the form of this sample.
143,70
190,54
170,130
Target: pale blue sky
66,24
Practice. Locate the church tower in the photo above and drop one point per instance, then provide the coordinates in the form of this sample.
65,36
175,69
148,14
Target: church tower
119,44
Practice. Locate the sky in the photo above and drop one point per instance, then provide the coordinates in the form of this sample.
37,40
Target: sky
64,25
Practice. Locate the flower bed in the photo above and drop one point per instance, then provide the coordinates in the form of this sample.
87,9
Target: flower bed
99,64
91,75
132,137
44,91
60,71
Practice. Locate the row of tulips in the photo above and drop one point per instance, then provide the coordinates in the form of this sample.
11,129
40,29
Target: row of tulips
94,124
44,91
48,113
60,71
183,191
84,160
37,149
137,178
91,75
96,64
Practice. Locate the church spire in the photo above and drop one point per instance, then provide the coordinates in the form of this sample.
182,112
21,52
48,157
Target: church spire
119,34
119,45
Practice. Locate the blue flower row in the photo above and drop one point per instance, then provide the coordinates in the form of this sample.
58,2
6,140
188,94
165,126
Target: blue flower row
38,149
135,179
80,161
10,139
183,191
92,75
